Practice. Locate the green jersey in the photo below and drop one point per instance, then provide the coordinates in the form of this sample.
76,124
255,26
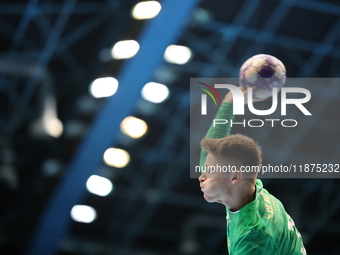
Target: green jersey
262,226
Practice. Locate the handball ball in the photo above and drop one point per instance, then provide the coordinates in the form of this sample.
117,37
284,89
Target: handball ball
264,72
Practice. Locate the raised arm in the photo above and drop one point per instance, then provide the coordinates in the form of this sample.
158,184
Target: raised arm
224,112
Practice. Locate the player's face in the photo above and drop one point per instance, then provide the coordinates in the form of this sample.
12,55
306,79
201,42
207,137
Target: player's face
214,185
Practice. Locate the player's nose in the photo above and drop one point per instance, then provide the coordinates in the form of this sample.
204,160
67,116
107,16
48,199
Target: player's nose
201,178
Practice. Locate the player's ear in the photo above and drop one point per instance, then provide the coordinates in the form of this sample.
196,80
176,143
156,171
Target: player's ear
236,177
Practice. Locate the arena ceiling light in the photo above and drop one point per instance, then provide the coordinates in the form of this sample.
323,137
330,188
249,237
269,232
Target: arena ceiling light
83,213
155,92
103,87
177,54
133,127
53,126
146,10
125,49
48,123
116,157
99,185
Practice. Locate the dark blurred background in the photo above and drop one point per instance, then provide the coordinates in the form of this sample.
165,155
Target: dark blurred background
51,52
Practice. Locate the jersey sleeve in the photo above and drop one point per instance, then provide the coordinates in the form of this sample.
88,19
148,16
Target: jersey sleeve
219,131
255,242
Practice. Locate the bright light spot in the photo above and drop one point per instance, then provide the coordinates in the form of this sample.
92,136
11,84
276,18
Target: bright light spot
52,125
116,157
146,10
103,87
99,185
133,127
83,213
155,92
125,49
177,54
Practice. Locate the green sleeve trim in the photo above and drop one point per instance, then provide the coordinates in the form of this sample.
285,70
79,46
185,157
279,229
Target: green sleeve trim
219,131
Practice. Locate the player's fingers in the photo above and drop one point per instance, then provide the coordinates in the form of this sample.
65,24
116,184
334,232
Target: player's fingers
244,90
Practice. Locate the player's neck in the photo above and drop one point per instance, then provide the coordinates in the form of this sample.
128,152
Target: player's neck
242,196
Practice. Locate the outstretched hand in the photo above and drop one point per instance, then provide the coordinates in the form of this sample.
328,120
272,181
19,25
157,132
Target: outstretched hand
229,97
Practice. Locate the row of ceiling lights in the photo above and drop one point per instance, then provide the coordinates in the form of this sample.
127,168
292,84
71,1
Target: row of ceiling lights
131,126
